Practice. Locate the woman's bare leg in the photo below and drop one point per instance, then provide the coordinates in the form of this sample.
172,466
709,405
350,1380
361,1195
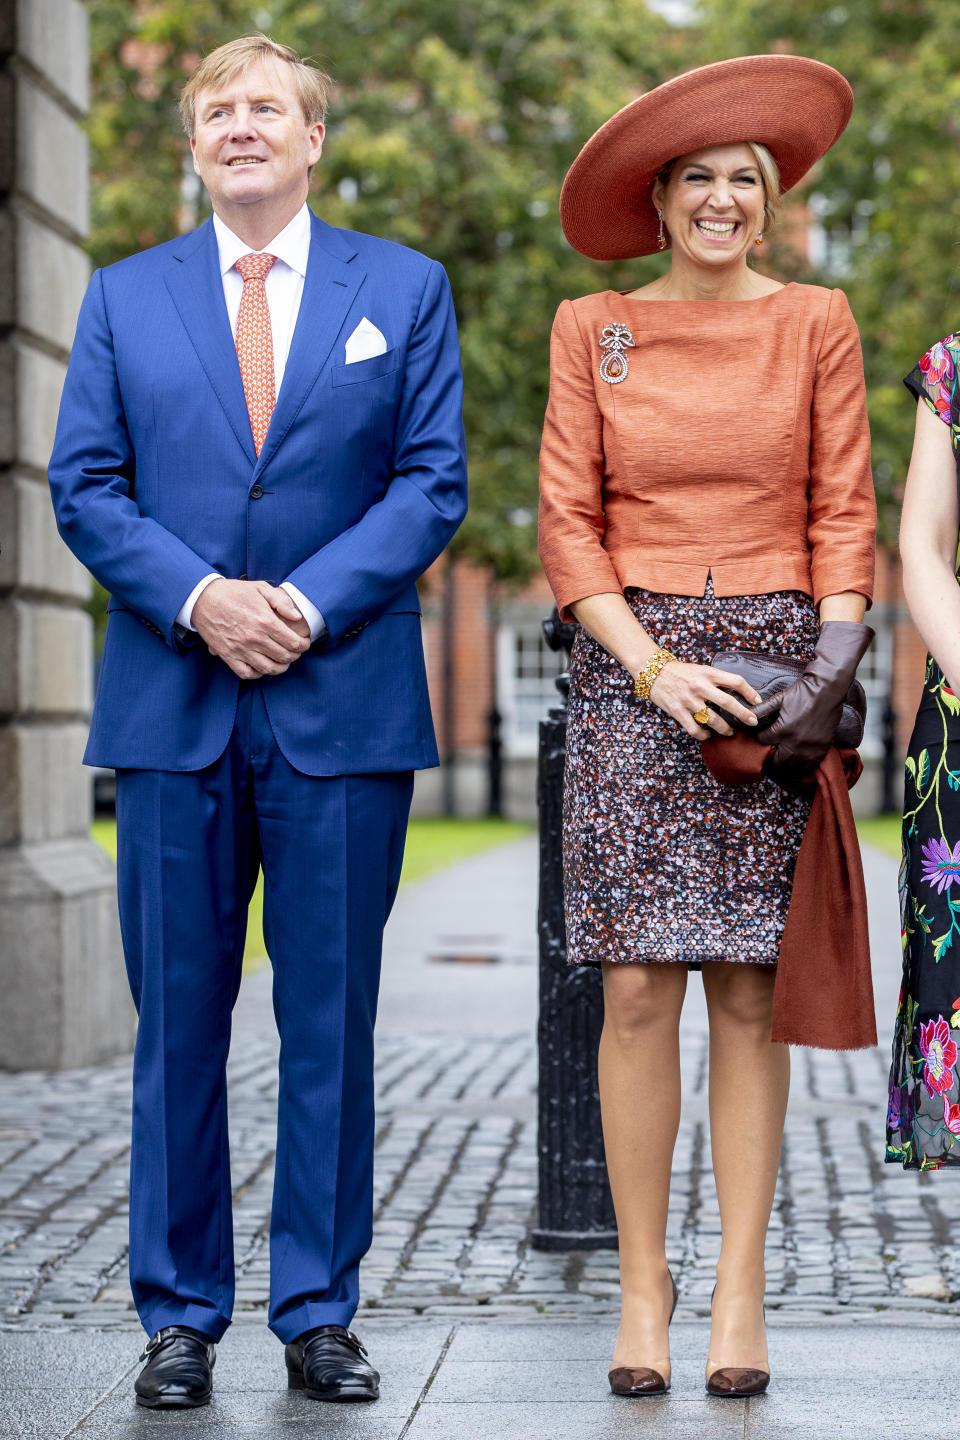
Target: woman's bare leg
639,1071
749,1085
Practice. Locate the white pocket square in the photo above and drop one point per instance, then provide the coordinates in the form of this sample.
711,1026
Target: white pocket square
365,342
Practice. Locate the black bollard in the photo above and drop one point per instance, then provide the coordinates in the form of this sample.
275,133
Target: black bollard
575,1207
494,764
891,789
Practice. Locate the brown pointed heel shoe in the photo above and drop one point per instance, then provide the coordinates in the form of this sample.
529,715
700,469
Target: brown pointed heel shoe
731,1383
736,1382
635,1381
626,1380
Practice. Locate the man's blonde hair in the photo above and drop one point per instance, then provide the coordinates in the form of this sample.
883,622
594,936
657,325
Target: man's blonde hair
228,61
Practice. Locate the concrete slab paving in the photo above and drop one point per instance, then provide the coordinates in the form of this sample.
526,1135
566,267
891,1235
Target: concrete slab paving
534,1378
44,1414
547,1340
93,1358
868,1427
827,1380
259,1417
609,1419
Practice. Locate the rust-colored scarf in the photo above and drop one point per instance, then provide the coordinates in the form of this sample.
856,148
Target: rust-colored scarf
823,995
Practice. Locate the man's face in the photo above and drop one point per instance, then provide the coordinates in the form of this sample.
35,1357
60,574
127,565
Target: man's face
251,142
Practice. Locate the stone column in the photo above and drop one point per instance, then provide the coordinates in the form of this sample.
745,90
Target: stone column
63,996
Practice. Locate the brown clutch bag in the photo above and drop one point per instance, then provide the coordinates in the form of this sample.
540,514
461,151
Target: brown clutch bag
770,674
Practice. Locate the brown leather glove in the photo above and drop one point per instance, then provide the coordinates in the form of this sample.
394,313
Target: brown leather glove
807,713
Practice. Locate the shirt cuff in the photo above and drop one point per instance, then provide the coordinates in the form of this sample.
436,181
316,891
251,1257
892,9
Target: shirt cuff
309,611
185,613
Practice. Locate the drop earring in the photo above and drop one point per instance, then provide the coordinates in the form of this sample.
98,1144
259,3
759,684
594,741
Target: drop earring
759,239
661,238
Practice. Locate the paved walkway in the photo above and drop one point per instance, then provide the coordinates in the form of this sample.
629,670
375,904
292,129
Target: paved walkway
475,1332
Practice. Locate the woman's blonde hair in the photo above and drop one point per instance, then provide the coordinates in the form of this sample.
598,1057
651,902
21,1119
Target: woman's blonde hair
770,171
769,174
227,61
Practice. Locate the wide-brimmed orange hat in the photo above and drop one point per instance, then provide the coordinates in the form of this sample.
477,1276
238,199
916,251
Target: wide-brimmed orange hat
796,107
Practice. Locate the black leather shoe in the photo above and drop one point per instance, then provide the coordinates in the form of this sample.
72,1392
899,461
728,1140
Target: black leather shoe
330,1363
179,1369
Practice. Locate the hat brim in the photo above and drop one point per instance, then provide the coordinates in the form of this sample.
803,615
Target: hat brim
795,106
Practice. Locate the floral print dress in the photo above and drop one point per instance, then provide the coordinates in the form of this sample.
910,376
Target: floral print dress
923,1121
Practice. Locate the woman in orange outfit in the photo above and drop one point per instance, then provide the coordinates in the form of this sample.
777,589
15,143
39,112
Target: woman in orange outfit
706,485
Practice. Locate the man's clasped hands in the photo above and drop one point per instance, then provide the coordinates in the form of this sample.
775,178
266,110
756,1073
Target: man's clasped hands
253,627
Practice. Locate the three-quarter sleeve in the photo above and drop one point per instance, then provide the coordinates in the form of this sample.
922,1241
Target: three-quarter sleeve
842,514
572,521
934,379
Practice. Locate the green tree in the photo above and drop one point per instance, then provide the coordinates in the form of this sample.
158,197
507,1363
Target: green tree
451,131
887,189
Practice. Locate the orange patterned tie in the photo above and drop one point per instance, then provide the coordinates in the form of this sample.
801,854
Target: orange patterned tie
255,344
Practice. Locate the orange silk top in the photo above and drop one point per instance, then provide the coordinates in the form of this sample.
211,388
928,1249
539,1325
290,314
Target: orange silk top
736,446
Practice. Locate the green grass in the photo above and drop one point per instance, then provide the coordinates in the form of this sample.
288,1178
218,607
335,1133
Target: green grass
431,845
883,832
105,834
434,844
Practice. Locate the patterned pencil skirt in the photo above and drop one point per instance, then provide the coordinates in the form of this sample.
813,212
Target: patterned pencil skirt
661,861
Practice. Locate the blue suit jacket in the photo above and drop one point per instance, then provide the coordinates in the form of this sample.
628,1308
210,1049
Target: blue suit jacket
360,484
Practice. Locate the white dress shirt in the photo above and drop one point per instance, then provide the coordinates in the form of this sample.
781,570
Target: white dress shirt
283,287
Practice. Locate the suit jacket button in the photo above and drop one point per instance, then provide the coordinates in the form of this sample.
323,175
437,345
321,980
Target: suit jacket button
243,577
256,492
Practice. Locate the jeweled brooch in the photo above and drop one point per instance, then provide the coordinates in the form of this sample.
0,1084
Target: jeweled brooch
614,340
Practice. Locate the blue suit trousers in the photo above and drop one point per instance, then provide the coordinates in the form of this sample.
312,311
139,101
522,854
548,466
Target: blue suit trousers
190,846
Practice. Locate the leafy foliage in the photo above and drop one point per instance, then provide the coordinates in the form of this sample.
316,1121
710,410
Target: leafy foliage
452,129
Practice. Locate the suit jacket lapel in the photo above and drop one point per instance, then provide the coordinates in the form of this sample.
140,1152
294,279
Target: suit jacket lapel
333,278
196,286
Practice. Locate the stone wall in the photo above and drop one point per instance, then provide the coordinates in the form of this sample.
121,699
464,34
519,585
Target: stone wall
64,997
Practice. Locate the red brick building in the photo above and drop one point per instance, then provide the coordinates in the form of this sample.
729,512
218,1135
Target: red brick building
491,679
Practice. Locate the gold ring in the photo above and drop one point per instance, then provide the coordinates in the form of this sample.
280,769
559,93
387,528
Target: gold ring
702,716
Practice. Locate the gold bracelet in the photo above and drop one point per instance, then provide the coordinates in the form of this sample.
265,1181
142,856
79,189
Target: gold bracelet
643,683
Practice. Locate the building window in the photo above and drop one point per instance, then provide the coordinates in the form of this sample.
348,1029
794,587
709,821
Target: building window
526,671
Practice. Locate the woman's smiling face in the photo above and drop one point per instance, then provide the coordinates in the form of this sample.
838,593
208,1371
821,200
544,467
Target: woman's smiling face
712,203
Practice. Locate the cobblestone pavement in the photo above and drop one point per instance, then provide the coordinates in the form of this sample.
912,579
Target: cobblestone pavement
456,1158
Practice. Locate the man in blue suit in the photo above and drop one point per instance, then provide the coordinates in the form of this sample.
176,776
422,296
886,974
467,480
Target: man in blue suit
260,449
